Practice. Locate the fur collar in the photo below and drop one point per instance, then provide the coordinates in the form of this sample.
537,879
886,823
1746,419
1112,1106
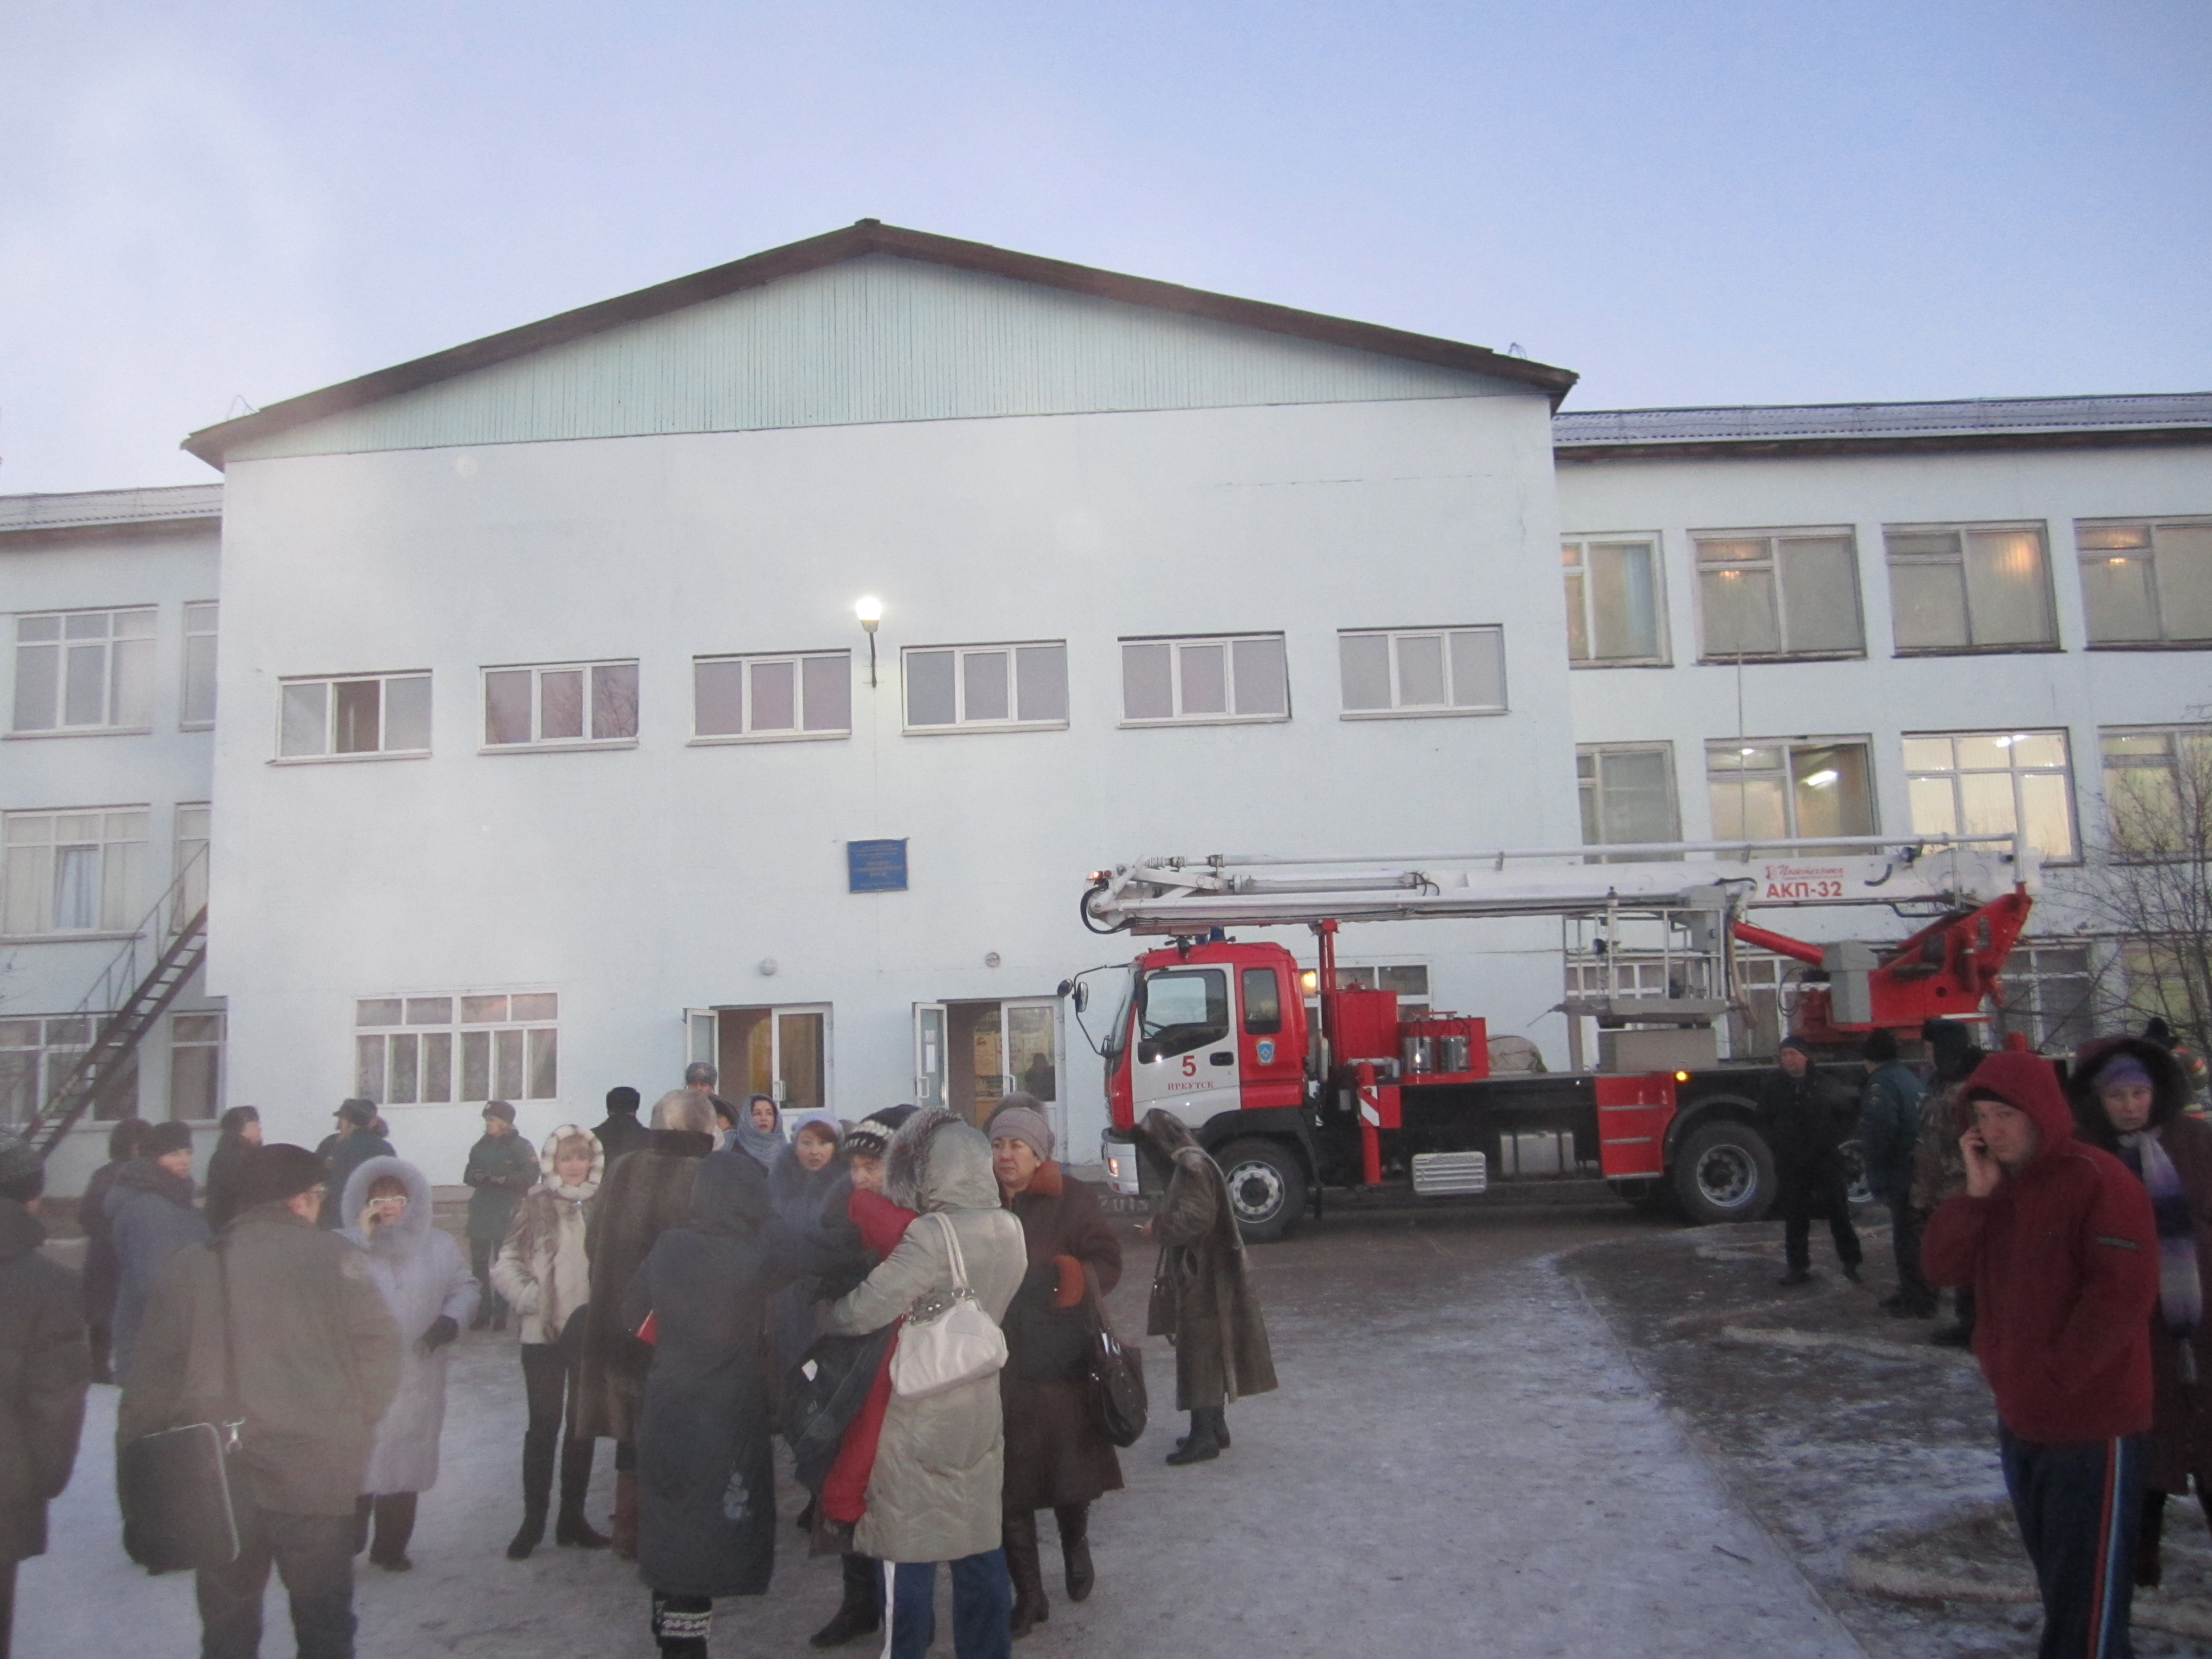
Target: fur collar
1049,1182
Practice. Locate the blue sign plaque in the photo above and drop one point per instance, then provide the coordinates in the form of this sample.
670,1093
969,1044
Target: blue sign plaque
875,866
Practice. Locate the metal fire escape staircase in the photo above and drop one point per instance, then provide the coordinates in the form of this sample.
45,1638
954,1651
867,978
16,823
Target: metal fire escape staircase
123,1005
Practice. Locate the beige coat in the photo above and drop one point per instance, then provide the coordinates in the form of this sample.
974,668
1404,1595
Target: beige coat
544,1269
934,1493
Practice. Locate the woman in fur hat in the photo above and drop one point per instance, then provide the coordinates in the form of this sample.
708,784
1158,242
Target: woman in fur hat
427,1285
545,1274
2130,1098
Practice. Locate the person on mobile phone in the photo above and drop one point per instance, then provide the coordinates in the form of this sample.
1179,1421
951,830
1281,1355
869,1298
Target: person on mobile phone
2058,1241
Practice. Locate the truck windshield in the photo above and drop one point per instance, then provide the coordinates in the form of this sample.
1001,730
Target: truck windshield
1185,1008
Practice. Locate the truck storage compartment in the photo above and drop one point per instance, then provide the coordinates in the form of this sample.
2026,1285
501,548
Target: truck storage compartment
1439,1174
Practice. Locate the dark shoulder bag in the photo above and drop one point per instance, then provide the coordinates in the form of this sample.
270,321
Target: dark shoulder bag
1115,1379
174,1487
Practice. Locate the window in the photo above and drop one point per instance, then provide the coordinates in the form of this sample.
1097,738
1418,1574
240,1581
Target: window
2049,996
85,671
1409,979
197,706
73,873
191,857
1627,793
1973,783
1263,1001
1962,588
2147,583
986,687
808,695
1235,678
36,1056
2158,787
362,714
560,704
1183,1009
1459,670
1784,593
430,1050
1770,789
1612,601
196,1066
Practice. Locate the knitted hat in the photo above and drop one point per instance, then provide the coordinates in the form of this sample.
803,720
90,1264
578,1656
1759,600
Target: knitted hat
623,1098
2121,1071
1022,1119
357,1111
499,1109
1799,1044
270,1174
22,1171
163,1139
1880,1046
871,1136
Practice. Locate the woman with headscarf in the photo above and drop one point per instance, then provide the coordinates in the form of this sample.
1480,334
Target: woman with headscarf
2130,1096
758,1132
103,1268
646,1194
545,1272
1057,1456
807,1189
426,1285
934,1489
1203,1301
706,1477
240,1133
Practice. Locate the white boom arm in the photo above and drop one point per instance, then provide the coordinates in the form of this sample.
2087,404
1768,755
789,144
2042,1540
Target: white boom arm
1185,895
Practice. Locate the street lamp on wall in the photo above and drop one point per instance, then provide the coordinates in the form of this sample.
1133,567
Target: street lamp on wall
870,610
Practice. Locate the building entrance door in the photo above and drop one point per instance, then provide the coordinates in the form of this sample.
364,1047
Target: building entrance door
781,1052
969,1056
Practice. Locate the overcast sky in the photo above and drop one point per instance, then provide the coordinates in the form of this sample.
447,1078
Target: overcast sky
218,205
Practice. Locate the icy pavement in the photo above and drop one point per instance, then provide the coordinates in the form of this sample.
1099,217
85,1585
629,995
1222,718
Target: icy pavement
1461,1459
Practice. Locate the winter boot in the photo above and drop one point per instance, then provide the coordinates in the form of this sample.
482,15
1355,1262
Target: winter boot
1030,1608
1075,1549
1203,1443
395,1525
625,1535
1220,1429
861,1613
572,1531
537,1494
680,1624
2150,1533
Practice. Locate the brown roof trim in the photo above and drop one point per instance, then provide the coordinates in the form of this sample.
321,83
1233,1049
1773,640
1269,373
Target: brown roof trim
868,236
1768,449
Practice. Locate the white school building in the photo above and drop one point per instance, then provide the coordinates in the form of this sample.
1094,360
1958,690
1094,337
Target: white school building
513,707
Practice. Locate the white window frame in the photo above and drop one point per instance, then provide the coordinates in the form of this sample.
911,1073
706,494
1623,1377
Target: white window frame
180,1044
1771,561
2112,768
1956,773
744,662
589,669
1177,643
111,673
2149,553
1788,777
1969,646
420,1025
1598,752
1576,570
120,909
1399,710
192,824
961,720
31,1071
201,647
2028,1006
328,755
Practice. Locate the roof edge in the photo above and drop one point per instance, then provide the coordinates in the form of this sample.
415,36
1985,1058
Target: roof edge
867,236
47,513
1698,449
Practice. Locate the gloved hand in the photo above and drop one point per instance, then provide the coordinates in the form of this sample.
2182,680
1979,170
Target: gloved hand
442,1330
1069,1292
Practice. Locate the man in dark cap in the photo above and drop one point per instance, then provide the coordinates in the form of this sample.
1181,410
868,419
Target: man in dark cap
1890,1102
150,1217
621,1131
356,1142
1807,1118
291,1314
502,1166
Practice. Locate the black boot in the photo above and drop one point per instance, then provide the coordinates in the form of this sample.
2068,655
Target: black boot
862,1610
1220,1429
395,1525
680,1624
1203,1443
1023,1566
536,1494
1074,1521
572,1531
2150,1533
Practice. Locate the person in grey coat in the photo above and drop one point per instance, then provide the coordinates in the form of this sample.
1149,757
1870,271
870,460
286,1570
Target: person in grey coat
428,1287
501,1168
45,1370
935,1491
150,1219
1889,1129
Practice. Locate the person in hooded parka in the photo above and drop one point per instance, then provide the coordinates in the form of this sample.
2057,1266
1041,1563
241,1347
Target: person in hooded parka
426,1284
706,1478
934,1494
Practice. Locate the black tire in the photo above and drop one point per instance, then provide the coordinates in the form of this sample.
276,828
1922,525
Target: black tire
1266,1188
1723,1172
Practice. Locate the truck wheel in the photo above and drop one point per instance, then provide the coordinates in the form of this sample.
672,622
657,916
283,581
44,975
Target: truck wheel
1266,1188
1723,1172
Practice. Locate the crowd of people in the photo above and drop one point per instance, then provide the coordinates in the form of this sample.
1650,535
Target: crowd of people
688,1288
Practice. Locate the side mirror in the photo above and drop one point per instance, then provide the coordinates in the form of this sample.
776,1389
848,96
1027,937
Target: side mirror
1082,996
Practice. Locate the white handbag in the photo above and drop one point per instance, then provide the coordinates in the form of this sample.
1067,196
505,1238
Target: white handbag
947,1340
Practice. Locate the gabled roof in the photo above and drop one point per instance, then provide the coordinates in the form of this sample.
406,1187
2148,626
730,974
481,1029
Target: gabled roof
866,238
1753,430
104,509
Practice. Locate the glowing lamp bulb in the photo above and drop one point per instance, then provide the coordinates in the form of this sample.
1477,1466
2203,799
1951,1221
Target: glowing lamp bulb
870,611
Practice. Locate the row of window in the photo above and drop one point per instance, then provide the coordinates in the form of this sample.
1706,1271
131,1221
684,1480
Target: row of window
92,670
1957,783
1018,685
37,1052
1773,594
83,870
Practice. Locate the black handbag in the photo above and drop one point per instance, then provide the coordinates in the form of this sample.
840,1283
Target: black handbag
174,1487
1115,1380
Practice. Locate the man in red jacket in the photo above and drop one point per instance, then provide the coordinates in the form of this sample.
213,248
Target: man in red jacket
2058,1240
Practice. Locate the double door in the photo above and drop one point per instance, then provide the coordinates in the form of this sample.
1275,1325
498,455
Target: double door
967,1056
781,1052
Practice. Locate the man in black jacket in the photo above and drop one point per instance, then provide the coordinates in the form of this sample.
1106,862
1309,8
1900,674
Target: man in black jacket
356,1142
1807,1118
621,1131
44,1368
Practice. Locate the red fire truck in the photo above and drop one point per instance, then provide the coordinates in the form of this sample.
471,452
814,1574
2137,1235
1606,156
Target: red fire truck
1354,1093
